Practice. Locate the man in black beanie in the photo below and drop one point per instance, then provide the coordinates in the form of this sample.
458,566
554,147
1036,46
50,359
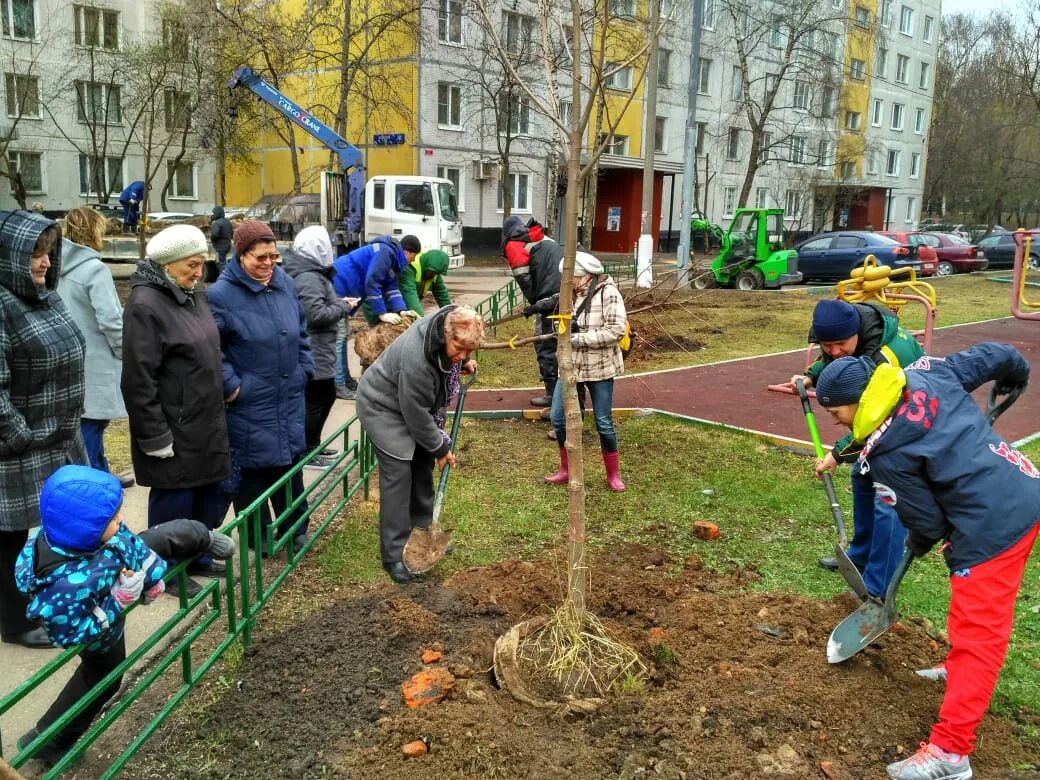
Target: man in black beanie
954,482
868,330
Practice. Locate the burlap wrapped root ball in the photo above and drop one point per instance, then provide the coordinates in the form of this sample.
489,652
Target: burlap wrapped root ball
370,341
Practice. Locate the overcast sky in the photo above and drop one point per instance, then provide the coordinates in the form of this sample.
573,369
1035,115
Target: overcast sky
971,6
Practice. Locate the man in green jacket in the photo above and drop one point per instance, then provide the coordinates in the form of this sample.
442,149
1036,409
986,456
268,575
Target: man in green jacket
423,273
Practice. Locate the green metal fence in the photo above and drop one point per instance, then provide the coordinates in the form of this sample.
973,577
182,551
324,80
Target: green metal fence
237,600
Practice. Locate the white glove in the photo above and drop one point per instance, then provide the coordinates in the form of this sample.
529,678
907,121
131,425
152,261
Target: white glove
390,318
411,314
165,452
128,587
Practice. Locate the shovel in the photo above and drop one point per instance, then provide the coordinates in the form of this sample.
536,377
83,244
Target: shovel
847,568
874,618
426,546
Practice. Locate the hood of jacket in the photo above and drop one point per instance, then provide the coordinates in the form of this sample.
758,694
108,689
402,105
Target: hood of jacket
883,392
313,244
434,343
435,261
514,229
19,231
74,255
218,212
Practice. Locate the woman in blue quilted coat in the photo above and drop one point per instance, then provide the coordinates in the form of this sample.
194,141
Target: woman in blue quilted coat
41,396
267,363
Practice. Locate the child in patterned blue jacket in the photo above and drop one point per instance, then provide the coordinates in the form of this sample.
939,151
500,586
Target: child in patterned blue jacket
82,570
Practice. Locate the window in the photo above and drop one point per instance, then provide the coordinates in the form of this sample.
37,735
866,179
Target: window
19,19
871,156
852,119
618,77
567,47
828,101
765,148
733,144
886,13
519,188
702,129
666,8
100,174
454,175
23,95
793,205
660,126
519,32
797,150
175,39
831,45
906,20
703,76
849,242
892,169
761,197
825,158
623,8
97,103
729,200
902,69
862,17
911,210
96,27
514,115
926,72
858,69
449,21
182,179
736,91
897,116
708,18
178,109
877,112
919,122
664,67
915,165
29,166
929,29
770,84
616,145
848,169
881,63
802,96
414,198
566,112
776,33
449,105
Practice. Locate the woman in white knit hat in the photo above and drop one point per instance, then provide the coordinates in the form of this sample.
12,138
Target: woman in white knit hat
172,385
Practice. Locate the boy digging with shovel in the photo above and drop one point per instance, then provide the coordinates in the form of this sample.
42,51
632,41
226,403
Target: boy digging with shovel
952,481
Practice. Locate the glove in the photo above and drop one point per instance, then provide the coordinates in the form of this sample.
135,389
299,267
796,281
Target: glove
919,545
410,314
154,592
390,318
575,341
165,452
1008,386
529,310
128,587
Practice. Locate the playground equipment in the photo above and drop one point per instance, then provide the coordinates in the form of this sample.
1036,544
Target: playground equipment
1021,307
751,254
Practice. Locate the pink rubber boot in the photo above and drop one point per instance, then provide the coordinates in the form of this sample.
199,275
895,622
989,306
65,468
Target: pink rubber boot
610,461
562,476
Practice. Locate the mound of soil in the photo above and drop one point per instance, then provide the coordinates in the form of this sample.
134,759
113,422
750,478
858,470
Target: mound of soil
740,688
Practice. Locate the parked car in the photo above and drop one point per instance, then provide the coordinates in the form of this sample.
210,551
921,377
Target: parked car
956,229
925,251
1000,251
169,216
110,210
977,232
956,255
832,256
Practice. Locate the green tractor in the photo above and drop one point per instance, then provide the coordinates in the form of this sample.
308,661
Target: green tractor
751,254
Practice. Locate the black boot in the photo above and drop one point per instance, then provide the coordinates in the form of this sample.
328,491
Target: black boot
546,400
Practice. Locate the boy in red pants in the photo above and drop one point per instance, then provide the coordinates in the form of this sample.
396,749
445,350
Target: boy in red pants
955,482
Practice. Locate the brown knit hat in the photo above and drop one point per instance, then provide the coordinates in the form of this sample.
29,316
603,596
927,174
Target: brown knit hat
248,232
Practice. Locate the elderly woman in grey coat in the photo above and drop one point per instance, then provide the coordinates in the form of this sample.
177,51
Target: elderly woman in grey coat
41,395
309,263
88,290
400,401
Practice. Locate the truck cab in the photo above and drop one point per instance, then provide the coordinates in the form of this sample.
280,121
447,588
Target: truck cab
421,206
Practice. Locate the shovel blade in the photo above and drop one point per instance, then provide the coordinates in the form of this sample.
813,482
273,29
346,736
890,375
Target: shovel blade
852,575
424,548
858,630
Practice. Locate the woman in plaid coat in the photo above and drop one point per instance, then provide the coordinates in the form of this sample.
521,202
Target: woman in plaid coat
41,396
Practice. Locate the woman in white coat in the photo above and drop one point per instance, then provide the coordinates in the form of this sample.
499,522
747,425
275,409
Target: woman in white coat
88,290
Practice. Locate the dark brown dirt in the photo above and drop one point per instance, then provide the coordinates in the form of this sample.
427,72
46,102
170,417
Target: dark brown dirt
740,688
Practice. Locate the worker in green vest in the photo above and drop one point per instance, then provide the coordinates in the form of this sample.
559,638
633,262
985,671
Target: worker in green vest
423,273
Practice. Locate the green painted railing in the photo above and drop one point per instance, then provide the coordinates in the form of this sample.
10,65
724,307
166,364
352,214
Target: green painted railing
239,600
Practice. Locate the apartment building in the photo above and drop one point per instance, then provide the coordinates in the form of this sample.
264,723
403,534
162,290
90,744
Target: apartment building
72,130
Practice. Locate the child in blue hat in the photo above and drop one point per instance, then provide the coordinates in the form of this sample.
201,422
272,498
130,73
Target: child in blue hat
82,570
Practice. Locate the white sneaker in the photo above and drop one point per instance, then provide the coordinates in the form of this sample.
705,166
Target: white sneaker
931,762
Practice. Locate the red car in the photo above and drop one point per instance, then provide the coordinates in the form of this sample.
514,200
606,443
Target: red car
956,255
925,253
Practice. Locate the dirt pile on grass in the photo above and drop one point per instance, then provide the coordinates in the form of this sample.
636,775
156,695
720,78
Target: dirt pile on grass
740,688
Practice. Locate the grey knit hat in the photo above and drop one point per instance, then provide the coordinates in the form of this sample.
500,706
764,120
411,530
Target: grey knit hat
175,243
843,381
